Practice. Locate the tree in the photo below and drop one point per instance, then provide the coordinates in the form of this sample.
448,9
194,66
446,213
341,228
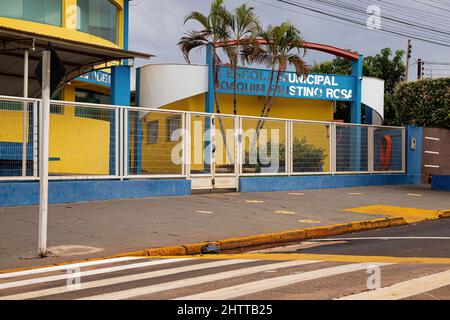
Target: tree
243,28
384,65
423,103
282,46
214,28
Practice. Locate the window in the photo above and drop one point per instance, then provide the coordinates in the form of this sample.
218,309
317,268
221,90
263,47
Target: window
99,18
88,96
42,11
153,132
173,124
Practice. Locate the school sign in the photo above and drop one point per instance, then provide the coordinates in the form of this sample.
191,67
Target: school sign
310,86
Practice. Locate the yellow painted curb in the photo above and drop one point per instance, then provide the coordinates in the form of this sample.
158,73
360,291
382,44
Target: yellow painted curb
443,214
280,237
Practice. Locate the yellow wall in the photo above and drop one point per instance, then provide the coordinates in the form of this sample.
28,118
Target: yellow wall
81,144
286,108
156,157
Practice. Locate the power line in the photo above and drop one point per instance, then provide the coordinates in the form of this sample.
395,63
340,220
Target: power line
398,32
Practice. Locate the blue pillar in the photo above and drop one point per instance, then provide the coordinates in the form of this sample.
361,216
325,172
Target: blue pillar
356,115
138,127
356,106
209,100
120,95
126,13
414,157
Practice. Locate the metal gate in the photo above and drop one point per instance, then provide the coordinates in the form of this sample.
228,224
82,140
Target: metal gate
213,151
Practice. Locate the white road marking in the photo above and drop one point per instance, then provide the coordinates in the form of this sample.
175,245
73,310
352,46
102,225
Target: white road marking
432,152
310,221
27,282
381,238
432,138
121,279
296,194
254,201
200,211
414,195
405,289
273,283
67,266
284,212
125,294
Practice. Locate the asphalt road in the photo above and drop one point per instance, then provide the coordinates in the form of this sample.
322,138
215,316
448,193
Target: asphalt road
239,277
425,239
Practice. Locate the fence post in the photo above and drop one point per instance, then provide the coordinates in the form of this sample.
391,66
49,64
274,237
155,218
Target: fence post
370,149
333,144
43,150
289,148
25,115
125,142
117,113
187,153
35,138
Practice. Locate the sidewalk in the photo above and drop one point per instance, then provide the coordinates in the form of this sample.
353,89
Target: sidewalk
113,227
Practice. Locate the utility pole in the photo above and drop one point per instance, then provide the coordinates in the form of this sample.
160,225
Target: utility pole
408,58
419,69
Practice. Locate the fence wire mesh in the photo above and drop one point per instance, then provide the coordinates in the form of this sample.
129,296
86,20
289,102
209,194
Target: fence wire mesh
155,144
82,140
18,137
90,141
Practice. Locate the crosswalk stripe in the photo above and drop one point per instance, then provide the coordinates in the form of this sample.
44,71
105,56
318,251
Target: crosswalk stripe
21,283
273,283
121,279
405,289
194,281
67,266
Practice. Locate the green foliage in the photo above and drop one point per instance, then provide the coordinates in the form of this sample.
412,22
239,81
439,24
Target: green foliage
423,103
385,65
306,156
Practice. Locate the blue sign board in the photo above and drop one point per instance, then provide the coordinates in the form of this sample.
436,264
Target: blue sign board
97,77
310,86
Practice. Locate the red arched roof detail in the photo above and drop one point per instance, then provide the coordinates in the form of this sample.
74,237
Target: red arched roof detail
312,46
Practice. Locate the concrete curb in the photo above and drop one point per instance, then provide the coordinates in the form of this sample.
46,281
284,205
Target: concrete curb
279,238
271,238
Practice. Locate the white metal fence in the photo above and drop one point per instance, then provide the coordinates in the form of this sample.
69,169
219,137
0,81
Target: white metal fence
92,141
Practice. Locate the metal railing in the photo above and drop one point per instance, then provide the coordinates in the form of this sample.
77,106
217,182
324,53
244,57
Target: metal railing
94,141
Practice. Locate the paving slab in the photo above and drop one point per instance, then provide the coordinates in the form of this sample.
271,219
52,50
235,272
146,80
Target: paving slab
94,229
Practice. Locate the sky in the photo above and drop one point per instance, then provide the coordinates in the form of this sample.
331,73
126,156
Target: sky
157,25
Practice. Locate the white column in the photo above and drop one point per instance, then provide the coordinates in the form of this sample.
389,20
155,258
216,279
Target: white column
25,114
43,153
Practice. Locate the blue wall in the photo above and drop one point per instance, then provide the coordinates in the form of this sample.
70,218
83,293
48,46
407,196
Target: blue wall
27,193
258,184
440,183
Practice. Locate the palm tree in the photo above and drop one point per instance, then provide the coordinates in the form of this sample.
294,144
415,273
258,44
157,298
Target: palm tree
214,29
281,47
244,26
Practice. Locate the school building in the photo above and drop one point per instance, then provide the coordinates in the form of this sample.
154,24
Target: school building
172,141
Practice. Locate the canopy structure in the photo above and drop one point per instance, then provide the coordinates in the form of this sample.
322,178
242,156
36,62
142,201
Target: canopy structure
78,58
